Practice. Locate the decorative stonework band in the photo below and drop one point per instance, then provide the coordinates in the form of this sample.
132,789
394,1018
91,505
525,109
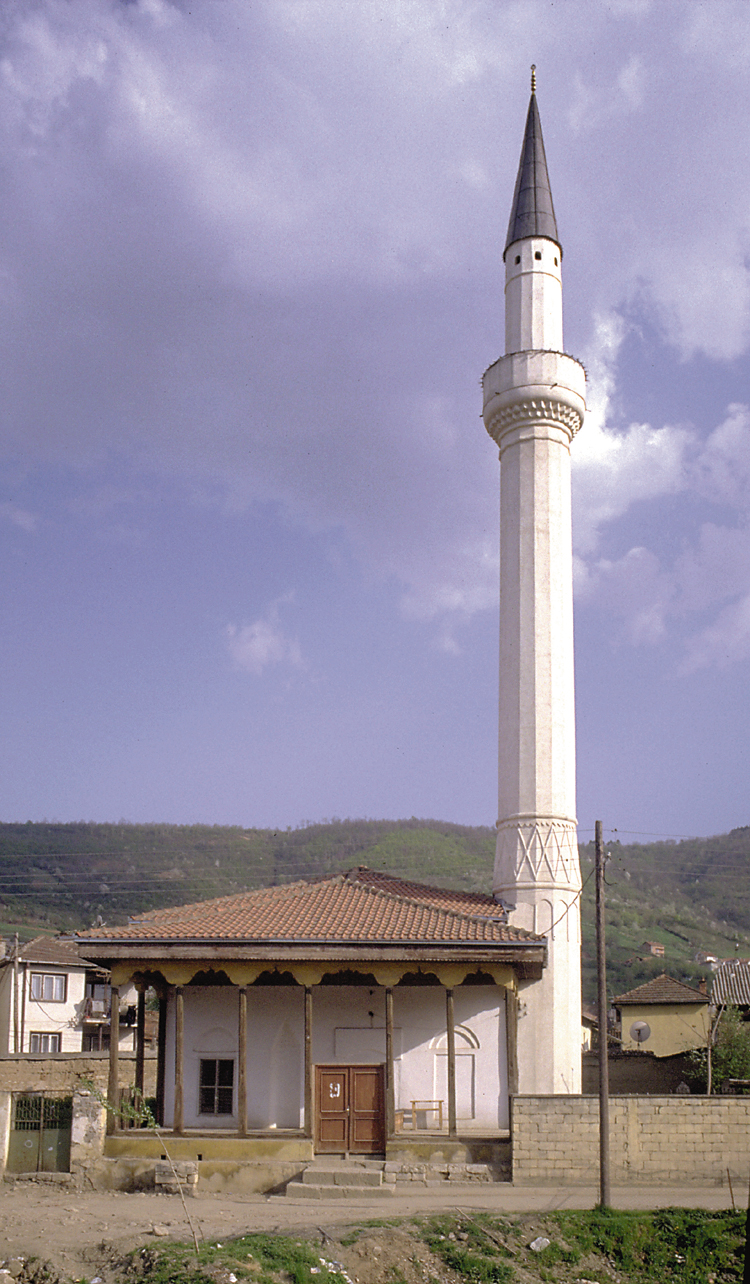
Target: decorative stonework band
537,411
537,850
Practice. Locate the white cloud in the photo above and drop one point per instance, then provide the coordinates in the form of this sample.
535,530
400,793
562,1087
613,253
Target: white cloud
634,590
256,246
613,469
18,516
254,647
644,594
726,641
721,471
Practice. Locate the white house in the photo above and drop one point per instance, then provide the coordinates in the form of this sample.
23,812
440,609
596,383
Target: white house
52,1000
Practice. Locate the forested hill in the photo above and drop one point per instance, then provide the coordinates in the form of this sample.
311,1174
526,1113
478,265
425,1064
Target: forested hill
690,895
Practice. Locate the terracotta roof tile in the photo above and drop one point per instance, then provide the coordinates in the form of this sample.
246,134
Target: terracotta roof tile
359,906
662,989
48,949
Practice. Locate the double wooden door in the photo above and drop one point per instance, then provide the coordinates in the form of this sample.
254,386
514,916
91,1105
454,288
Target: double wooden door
350,1109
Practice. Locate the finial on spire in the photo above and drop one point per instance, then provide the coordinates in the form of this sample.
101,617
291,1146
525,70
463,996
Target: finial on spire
533,77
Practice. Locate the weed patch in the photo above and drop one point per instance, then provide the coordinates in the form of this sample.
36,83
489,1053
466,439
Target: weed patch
688,1245
468,1250
266,1259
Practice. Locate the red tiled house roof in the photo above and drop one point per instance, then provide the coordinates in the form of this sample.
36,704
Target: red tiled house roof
52,952
360,907
662,989
355,917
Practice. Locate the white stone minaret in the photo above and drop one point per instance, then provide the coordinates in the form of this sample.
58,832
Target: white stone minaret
533,407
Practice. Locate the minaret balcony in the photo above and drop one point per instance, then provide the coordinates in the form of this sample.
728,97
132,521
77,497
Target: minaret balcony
524,389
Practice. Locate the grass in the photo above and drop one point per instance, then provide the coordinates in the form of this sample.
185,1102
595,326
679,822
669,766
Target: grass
477,1257
262,1258
688,1245
671,1246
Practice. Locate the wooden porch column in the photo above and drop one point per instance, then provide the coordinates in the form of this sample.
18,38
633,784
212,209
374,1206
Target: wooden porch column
179,1046
451,1031
161,1055
511,1039
140,1040
308,1063
242,1064
390,1101
113,1085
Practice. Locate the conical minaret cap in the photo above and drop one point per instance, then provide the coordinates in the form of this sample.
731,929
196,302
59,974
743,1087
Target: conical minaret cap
533,213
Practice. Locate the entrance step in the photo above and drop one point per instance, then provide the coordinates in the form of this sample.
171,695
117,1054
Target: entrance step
375,1179
343,1180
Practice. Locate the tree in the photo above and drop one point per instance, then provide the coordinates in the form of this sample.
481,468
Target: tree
727,1055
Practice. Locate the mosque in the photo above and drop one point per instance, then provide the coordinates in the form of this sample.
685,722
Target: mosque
362,1014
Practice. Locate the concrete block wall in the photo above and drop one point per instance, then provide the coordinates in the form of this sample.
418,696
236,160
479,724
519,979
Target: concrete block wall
652,1139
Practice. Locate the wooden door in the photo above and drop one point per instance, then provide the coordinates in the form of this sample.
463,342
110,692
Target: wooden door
350,1110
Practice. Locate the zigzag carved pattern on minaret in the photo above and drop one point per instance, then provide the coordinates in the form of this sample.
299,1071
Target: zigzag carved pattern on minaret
542,852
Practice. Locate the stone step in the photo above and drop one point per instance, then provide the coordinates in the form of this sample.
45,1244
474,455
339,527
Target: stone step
315,1176
300,1190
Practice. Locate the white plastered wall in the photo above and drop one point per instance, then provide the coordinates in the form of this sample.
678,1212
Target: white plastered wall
47,1017
344,1033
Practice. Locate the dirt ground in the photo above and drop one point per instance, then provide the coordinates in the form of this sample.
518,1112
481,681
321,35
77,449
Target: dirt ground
80,1235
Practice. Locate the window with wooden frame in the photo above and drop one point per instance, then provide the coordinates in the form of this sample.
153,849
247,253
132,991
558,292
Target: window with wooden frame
49,987
40,1042
216,1087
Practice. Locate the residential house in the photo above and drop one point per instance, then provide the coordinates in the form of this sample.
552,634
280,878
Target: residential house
52,1000
669,1017
731,984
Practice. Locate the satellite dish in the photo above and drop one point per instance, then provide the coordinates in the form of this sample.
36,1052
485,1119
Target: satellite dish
640,1031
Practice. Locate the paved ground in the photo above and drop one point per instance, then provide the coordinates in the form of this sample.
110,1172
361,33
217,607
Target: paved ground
74,1230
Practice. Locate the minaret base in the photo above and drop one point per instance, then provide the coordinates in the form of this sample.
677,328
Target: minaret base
537,876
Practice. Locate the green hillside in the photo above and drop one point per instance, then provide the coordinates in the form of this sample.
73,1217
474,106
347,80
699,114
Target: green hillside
690,895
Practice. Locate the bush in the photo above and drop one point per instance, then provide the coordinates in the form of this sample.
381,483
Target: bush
730,1058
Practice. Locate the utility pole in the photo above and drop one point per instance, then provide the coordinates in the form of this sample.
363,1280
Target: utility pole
746,1271
15,993
601,977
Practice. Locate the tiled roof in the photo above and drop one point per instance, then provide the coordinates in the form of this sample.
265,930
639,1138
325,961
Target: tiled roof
48,949
360,906
663,989
731,983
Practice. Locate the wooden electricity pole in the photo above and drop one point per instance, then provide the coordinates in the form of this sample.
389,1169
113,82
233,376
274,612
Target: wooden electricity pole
601,977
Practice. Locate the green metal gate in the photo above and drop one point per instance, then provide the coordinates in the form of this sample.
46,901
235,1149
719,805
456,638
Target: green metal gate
40,1135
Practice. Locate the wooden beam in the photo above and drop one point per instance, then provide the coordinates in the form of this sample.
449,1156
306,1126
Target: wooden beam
179,1050
511,1039
451,1031
242,1063
113,1085
309,1122
390,1100
140,1040
161,1057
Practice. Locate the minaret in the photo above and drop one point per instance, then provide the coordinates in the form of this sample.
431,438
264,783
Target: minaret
533,407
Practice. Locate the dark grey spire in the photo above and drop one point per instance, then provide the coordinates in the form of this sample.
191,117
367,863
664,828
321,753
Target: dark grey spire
533,213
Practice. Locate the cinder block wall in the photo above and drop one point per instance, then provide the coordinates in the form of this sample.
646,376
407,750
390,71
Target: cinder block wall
651,1139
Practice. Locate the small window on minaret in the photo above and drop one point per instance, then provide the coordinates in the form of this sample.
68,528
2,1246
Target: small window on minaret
518,258
555,260
537,254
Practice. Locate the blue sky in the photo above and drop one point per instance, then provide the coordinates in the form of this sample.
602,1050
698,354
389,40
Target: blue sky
250,277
